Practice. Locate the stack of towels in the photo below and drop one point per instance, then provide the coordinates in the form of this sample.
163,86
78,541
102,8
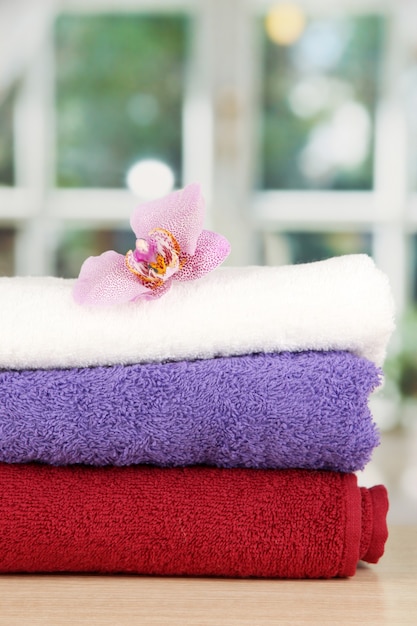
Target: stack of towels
215,431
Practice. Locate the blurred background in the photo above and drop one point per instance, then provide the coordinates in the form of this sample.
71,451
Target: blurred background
298,119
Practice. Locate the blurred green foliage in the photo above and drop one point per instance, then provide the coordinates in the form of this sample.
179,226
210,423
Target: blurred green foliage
75,244
307,247
6,141
401,365
120,83
7,241
285,134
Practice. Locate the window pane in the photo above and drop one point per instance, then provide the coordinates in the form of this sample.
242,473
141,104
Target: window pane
75,245
306,247
6,142
7,238
318,104
119,84
413,269
401,367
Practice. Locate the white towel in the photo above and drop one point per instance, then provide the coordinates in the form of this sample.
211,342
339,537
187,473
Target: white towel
344,303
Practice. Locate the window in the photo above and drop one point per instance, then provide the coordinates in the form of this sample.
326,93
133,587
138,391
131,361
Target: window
75,244
6,141
120,84
7,241
304,247
319,97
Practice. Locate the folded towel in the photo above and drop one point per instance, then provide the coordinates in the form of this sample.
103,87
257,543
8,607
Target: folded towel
343,303
192,521
305,409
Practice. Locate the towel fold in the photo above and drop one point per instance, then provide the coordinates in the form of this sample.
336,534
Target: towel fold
305,409
342,303
188,521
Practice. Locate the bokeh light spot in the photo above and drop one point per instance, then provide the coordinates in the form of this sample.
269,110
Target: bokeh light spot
150,178
284,23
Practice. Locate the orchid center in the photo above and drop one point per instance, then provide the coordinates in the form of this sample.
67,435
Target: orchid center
155,258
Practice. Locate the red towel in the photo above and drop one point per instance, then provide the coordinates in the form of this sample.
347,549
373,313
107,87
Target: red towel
188,521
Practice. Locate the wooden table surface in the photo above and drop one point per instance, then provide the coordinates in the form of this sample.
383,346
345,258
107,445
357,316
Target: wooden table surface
385,593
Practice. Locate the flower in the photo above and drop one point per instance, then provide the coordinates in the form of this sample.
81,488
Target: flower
170,245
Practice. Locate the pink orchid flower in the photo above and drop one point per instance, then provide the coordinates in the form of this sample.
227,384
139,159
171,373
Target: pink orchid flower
170,245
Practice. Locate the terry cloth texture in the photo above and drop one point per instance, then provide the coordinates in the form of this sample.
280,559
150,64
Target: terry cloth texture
188,521
305,409
343,303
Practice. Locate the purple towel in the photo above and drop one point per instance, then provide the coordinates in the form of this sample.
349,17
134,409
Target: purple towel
306,410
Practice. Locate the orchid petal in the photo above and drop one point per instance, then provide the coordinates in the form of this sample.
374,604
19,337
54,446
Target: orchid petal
181,213
211,251
105,280
153,294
